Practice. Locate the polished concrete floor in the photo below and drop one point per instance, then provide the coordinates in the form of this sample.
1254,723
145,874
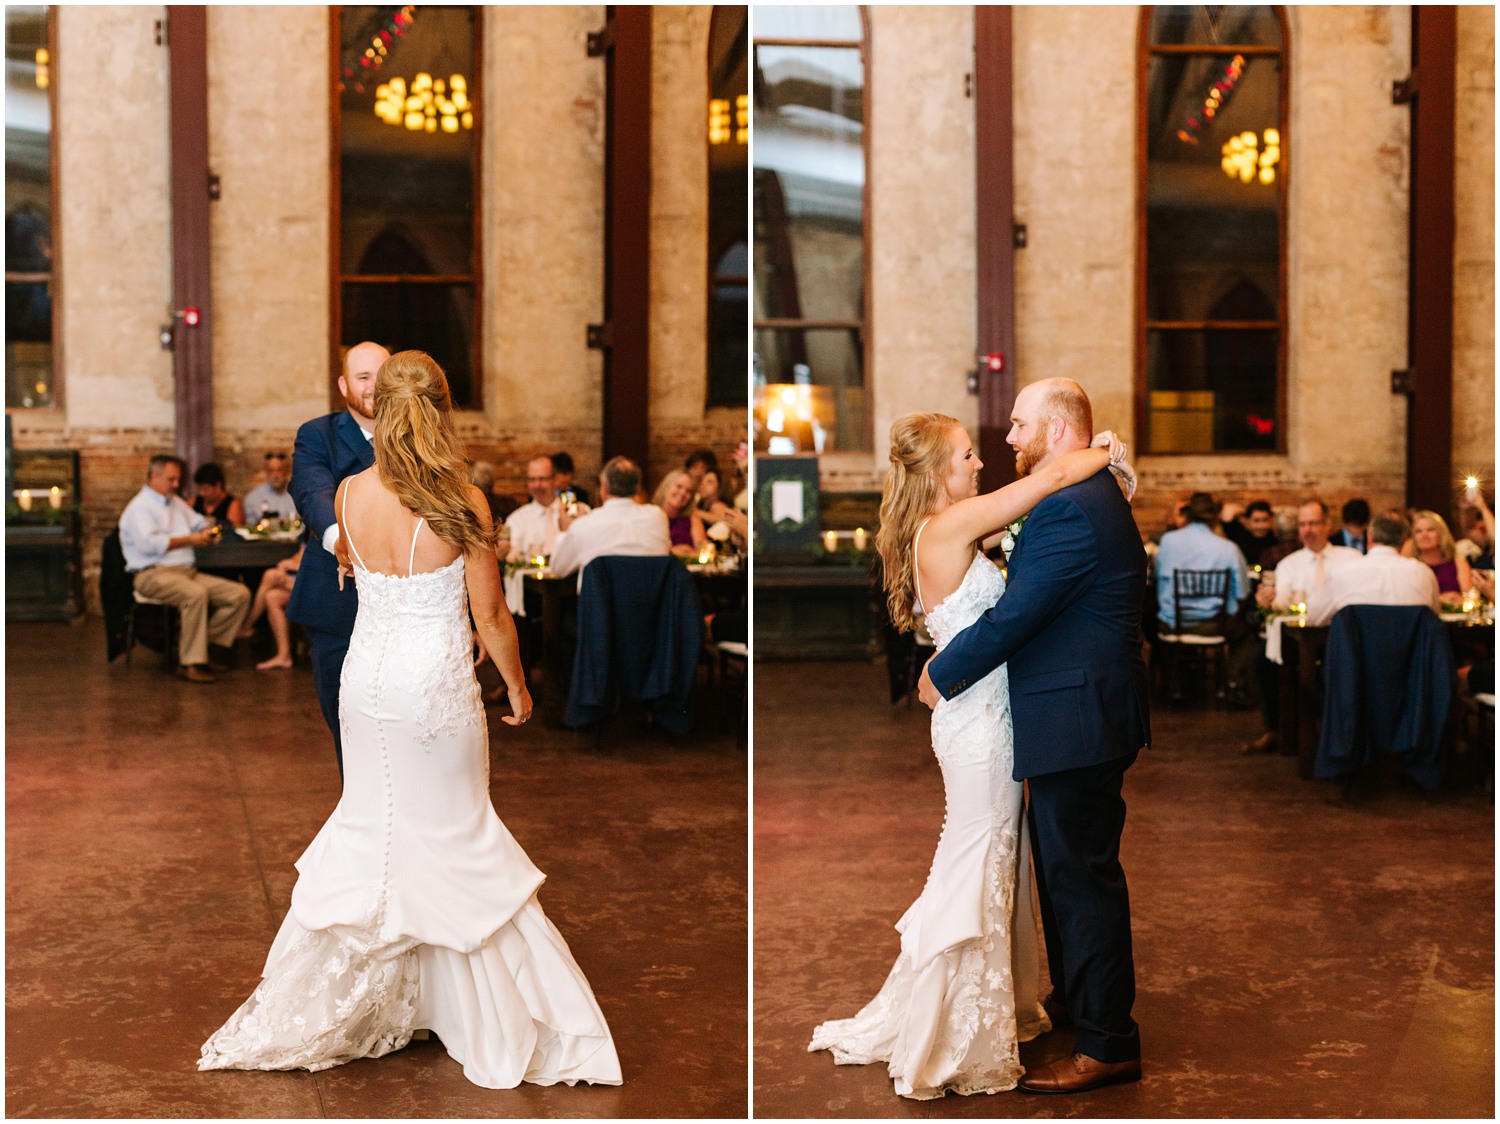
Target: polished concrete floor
151,827
1296,955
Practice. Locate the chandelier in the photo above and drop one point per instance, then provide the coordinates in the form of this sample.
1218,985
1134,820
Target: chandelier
428,105
1244,159
722,128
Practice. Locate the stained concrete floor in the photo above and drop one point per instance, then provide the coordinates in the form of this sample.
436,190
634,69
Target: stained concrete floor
1296,956
150,834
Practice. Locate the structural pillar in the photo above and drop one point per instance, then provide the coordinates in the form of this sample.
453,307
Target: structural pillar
192,354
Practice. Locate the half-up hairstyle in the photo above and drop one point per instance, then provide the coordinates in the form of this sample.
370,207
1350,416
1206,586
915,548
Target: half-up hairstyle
417,452
920,454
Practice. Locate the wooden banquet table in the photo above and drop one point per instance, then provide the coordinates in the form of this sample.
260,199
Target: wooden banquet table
717,588
237,557
1302,649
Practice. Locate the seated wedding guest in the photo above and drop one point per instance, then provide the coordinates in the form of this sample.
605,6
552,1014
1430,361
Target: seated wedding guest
1432,543
698,462
214,500
1303,572
563,462
618,526
1355,532
158,532
1381,577
1253,532
482,476
674,495
533,525
1478,544
715,510
270,499
270,600
740,482
1284,524
1197,546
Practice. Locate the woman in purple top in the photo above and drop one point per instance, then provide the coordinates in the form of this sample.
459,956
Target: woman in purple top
674,495
1432,542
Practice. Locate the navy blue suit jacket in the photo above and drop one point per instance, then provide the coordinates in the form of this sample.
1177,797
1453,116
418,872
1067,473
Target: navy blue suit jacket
328,449
1069,626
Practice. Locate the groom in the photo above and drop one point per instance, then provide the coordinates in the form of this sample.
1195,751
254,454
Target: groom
1069,627
328,449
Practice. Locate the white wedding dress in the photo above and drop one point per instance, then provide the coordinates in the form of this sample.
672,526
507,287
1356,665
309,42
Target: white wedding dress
414,907
964,990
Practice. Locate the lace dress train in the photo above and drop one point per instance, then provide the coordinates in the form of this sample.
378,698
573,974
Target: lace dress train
414,906
964,991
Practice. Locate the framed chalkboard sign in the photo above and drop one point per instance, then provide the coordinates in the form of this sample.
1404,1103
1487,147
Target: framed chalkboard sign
787,513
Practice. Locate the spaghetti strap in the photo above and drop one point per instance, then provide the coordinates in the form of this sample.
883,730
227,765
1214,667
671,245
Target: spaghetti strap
915,580
411,558
344,519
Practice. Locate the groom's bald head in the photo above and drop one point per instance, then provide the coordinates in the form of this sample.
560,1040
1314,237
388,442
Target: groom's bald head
1050,417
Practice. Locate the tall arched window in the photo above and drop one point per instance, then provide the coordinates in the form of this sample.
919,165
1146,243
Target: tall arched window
1211,347
728,259
812,394
407,183
30,194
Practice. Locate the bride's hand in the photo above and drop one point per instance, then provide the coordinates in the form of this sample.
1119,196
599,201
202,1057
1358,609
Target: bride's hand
1125,472
520,706
1106,439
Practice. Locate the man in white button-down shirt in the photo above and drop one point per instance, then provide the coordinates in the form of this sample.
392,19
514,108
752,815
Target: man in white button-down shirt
1381,577
158,532
618,526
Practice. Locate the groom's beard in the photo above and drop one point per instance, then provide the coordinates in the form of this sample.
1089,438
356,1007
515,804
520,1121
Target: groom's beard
1031,454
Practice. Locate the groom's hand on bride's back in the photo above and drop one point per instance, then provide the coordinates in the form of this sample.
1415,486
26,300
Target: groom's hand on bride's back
925,690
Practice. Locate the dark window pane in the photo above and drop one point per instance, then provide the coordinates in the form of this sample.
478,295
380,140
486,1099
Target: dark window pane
728,197
1212,25
810,389
435,318
1211,391
407,195
29,67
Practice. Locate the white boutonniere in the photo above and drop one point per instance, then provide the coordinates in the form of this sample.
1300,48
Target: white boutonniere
1011,536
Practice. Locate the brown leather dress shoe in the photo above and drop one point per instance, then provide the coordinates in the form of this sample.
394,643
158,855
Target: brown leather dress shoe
217,668
194,673
1078,1073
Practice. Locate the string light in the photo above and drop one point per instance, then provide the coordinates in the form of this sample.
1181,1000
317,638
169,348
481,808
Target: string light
428,105
1213,101
1243,158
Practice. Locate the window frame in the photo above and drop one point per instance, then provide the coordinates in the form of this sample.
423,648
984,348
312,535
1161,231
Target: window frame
863,325
1145,52
54,233
715,278
337,277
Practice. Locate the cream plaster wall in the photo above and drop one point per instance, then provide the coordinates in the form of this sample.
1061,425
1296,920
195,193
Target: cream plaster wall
920,226
679,418
1346,239
1075,186
544,230
112,154
1474,247
269,229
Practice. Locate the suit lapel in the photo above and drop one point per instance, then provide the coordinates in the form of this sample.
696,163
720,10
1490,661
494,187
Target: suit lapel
354,439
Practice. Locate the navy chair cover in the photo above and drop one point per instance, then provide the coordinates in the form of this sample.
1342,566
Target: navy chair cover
639,636
1388,678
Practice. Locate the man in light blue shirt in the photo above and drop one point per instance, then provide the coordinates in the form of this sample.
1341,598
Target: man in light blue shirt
158,532
1197,546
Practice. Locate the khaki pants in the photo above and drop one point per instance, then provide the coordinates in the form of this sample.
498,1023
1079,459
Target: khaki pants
211,608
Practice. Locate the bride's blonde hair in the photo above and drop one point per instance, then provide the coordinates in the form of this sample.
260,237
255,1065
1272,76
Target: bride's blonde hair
417,452
920,453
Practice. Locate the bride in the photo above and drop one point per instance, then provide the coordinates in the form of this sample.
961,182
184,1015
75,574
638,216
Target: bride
414,907
964,990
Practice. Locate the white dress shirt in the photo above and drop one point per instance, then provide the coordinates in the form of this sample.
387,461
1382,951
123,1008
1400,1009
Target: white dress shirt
621,526
149,522
1298,571
1382,577
533,529
263,495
